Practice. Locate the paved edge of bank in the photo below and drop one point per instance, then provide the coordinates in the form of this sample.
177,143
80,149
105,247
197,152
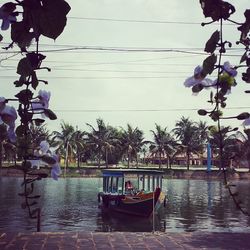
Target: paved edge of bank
123,241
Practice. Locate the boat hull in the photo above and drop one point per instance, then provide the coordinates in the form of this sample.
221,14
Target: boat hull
138,205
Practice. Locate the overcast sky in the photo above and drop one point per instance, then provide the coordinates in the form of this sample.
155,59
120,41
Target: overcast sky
120,86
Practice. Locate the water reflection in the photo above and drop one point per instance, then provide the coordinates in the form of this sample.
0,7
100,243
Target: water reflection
71,204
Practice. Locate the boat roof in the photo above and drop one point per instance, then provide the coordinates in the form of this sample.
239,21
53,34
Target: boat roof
119,172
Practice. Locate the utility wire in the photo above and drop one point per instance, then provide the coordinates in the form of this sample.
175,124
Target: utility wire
136,110
119,49
137,21
104,77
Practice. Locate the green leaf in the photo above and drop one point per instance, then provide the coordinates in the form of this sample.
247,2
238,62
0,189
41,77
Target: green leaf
42,175
211,97
245,27
32,203
50,114
215,115
243,58
197,88
34,197
217,9
202,112
38,121
48,159
243,116
26,165
208,64
20,130
53,17
212,42
24,67
24,96
19,83
34,80
20,34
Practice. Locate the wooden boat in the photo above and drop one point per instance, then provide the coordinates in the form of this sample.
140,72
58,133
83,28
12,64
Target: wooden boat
132,191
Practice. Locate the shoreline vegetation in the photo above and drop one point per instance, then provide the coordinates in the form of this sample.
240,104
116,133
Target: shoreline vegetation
195,172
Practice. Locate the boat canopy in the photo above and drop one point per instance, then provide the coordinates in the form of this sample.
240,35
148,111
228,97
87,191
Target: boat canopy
122,172
116,180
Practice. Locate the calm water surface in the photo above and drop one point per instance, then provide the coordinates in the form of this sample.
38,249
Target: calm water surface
71,205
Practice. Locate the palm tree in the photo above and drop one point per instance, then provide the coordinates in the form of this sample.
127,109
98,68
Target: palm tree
102,140
187,133
78,145
222,144
132,141
39,133
241,146
202,132
163,143
64,141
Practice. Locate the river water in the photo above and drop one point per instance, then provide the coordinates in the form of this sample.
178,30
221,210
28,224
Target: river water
71,205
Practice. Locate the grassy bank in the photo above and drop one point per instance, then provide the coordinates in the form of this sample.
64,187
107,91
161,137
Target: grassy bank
179,172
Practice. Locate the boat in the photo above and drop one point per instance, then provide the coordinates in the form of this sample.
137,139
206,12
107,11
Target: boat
135,192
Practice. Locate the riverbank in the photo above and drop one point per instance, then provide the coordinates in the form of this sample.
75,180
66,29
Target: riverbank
124,241
169,173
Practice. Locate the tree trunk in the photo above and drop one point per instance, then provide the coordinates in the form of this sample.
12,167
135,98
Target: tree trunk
78,160
99,155
128,159
136,161
99,160
188,159
106,158
160,161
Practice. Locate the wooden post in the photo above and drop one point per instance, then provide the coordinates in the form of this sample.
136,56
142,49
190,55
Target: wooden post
148,182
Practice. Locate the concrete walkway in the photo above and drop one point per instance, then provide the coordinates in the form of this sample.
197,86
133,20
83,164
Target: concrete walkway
123,241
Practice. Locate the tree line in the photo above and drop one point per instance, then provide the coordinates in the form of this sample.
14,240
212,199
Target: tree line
103,143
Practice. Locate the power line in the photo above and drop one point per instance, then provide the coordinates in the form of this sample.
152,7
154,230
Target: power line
104,77
135,110
138,21
118,49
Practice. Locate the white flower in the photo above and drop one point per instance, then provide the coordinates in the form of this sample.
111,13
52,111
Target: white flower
197,78
56,170
8,115
44,97
42,101
229,69
7,16
44,147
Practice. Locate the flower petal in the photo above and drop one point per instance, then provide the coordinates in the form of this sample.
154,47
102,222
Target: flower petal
9,115
44,147
197,70
246,122
229,69
55,171
207,82
190,82
5,24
